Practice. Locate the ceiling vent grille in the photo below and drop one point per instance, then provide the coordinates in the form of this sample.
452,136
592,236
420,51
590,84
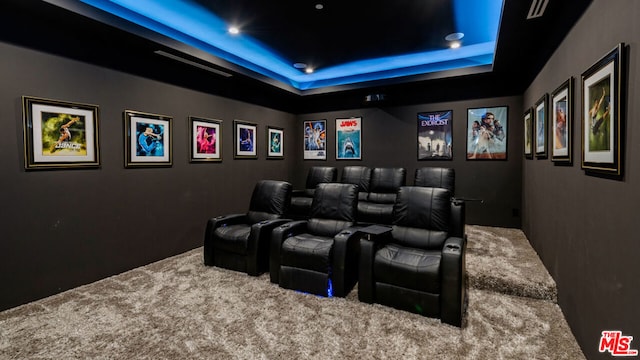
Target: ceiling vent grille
537,8
192,63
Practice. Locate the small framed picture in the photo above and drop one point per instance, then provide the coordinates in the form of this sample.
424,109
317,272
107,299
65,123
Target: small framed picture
206,139
244,134
349,139
540,114
148,139
315,140
528,131
561,123
59,134
275,145
487,133
435,135
602,94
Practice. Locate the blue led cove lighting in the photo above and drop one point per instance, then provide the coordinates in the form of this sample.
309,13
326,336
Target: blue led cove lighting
193,25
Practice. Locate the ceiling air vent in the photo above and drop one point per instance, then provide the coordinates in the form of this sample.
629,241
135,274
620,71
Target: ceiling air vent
192,63
537,8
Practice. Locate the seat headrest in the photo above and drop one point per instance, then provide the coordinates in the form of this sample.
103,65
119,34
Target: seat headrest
423,207
271,196
335,201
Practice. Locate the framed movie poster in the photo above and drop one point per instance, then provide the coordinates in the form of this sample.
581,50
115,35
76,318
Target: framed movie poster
349,139
148,139
275,145
315,140
245,140
206,139
487,133
602,95
561,123
540,114
528,131
434,135
59,134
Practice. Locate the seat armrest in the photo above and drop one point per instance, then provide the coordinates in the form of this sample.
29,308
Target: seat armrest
458,211
346,246
259,243
453,280
298,193
278,236
212,225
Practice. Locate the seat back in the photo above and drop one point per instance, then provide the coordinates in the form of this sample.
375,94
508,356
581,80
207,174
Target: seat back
377,207
422,217
436,177
333,209
318,175
385,183
358,175
270,200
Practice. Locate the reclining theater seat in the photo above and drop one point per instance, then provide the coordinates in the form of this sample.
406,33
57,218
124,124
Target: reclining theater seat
241,241
436,177
378,207
358,175
301,199
418,265
319,255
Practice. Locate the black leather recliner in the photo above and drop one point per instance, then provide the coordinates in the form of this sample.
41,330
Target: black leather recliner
319,255
301,199
419,264
358,175
378,207
241,241
436,177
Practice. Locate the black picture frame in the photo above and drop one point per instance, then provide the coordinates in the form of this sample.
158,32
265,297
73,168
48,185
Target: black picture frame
275,143
540,116
59,134
205,140
148,139
245,140
435,135
487,133
562,123
602,108
528,133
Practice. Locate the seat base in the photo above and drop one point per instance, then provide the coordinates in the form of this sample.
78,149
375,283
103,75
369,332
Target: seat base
304,280
418,302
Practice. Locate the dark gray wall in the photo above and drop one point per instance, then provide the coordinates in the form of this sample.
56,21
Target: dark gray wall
64,228
585,228
389,139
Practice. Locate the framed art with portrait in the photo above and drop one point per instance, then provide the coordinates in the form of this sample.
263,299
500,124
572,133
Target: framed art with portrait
435,135
315,139
541,120
602,94
244,134
487,133
59,134
275,144
148,139
562,123
205,139
528,131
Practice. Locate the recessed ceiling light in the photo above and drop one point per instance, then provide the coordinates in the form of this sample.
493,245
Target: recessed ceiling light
300,65
454,36
308,70
319,6
454,44
234,30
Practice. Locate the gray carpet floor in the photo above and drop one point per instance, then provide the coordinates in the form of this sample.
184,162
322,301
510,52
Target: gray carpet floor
179,309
